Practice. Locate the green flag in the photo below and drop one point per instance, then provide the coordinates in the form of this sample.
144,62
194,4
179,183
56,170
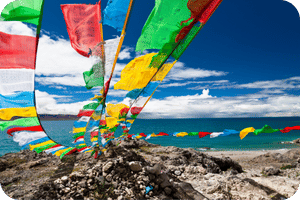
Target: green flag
91,106
31,121
160,28
193,134
265,129
94,77
28,11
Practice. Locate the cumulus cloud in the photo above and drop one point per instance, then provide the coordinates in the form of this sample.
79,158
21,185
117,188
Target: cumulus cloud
204,105
205,84
48,104
16,28
289,83
181,72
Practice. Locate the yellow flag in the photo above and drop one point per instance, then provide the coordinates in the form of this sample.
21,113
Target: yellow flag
182,134
136,73
58,153
78,130
8,113
245,132
163,71
111,122
153,135
40,144
114,109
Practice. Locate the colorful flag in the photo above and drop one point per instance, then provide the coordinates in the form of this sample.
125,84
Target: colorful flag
83,25
288,129
245,132
31,121
8,113
18,100
17,51
229,132
163,24
203,134
265,129
215,134
28,11
15,80
115,13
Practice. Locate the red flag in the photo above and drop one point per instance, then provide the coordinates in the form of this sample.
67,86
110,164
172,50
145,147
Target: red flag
30,128
17,51
136,110
86,113
209,10
288,129
143,134
83,25
203,134
162,134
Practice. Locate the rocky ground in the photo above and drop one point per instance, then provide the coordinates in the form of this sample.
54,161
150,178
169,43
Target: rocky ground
128,170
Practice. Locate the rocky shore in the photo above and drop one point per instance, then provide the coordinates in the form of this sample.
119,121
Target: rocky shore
136,169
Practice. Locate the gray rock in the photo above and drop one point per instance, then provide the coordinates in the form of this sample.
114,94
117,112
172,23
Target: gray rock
135,166
186,191
76,175
156,169
82,184
66,190
297,141
168,190
177,173
64,179
269,171
109,177
107,166
165,180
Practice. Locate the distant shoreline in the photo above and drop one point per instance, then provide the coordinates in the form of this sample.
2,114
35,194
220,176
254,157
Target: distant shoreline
46,117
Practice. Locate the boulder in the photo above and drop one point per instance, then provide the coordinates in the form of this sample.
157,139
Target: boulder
269,171
135,166
156,169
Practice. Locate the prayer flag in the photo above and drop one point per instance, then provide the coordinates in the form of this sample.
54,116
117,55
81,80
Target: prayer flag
115,13
83,26
203,134
265,129
163,24
17,51
245,132
31,121
288,129
28,11
8,113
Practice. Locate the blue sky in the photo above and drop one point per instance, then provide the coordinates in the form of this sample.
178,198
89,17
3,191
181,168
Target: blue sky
243,63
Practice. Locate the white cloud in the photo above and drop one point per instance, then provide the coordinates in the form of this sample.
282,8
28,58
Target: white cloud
207,84
125,53
62,80
47,104
180,72
16,28
204,105
289,83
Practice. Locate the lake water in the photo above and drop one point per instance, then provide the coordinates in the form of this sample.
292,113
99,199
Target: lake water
60,131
